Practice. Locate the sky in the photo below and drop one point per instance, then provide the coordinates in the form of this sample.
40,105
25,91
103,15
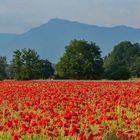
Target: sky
18,16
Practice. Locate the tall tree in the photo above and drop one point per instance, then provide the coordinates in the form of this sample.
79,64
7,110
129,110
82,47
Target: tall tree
30,66
17,65
121,61
135,68
81,60
3,66
26,65
46,69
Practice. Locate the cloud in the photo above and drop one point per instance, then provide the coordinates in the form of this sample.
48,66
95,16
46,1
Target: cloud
21,15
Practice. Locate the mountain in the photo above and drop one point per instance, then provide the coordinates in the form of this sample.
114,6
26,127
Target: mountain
50,39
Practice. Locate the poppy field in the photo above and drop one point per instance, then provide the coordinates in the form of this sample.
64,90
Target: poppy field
69,110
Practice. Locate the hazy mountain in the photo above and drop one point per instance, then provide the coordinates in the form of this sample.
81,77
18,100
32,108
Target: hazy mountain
50,39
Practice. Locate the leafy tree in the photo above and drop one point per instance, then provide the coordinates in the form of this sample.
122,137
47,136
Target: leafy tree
118,73
3,66
46,69
135,68
26,65
17,65
30,67
121,60
81,60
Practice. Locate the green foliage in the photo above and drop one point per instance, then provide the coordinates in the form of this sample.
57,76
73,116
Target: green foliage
135,68
81,60
26,65
120,73
3,66
123,61
46,69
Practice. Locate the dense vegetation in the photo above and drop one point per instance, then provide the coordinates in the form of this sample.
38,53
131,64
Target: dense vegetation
81,60
123,62
27,65
3,66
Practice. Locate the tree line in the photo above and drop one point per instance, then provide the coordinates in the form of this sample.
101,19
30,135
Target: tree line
81,60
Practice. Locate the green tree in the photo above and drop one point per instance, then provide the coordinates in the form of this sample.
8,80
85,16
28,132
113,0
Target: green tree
17,65
135,68
3,66
81,60
118,64
46,69
27,65
30,67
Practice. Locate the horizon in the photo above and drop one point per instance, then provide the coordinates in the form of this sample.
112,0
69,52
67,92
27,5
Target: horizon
71,21
20,16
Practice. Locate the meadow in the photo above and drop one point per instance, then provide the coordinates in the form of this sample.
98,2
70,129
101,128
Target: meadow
69,110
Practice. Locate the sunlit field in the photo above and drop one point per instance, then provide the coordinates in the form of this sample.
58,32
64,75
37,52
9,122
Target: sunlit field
69,110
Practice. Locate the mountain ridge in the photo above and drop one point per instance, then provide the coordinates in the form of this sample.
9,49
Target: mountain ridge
49,39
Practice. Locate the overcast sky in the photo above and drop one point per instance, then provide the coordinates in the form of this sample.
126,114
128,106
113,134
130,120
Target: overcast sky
18,16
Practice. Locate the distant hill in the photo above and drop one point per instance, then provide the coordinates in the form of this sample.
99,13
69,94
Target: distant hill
50,39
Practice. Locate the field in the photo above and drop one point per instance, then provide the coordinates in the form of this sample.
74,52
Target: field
69,110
